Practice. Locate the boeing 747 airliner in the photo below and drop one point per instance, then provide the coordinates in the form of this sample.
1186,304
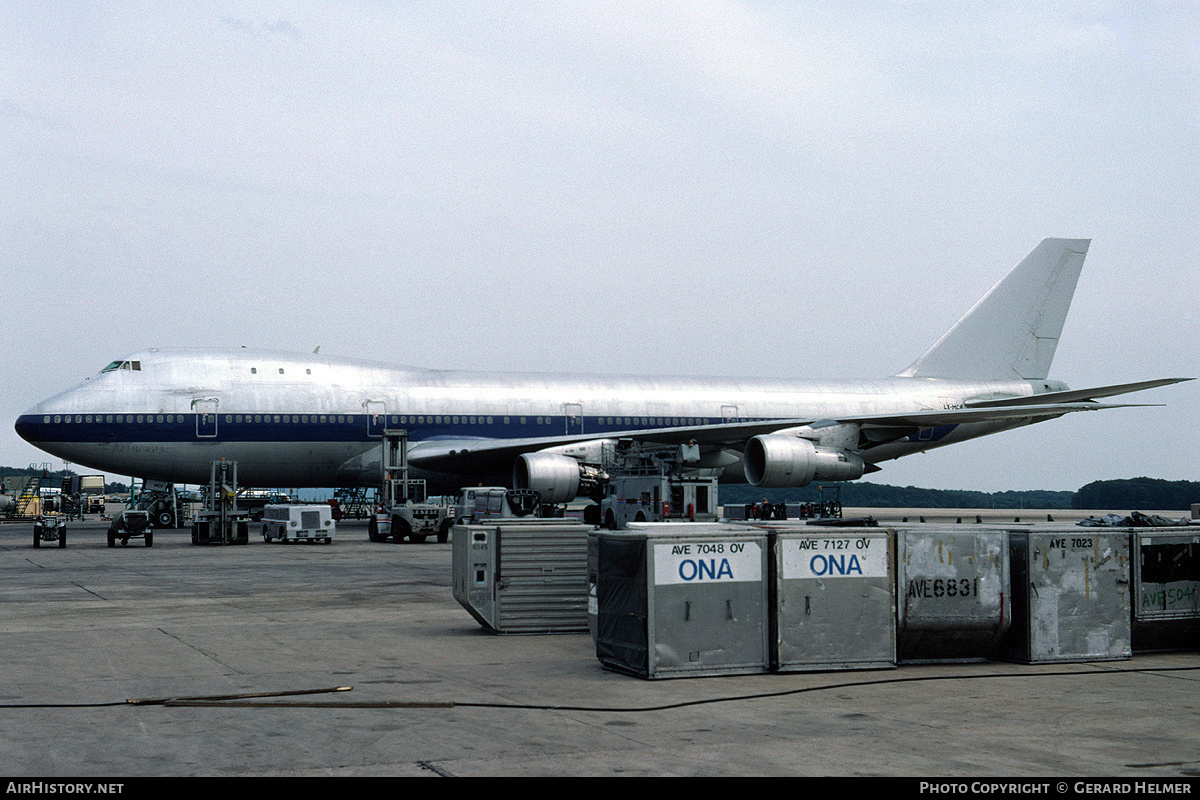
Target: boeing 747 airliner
308,420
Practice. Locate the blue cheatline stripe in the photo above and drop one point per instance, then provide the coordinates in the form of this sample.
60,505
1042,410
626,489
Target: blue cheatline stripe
233,427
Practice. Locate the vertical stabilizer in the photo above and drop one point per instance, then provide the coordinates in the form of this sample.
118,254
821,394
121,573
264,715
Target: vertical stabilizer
1013,331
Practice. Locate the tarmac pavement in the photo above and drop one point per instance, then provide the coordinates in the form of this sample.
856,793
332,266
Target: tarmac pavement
87,628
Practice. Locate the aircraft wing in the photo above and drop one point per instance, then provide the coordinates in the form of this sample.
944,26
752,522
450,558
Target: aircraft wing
473,455
455,455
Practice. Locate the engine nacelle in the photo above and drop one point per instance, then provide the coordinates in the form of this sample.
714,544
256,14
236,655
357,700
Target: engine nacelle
776,461
555,478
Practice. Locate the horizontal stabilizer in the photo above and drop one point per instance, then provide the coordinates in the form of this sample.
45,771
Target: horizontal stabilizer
960,416
1074,395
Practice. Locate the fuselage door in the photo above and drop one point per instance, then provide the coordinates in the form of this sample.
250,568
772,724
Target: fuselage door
206,417
729,413
376,417
574,414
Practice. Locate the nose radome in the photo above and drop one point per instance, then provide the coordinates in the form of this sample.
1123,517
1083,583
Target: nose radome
27,423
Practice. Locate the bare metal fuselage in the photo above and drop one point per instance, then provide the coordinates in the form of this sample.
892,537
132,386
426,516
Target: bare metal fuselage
307,420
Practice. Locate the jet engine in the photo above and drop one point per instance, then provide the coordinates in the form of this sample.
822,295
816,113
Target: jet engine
775,461
556,478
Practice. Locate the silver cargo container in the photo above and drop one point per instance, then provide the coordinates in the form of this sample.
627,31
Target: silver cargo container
833,603
682,600
952,592
527,576
593,567
1071,599
1166,590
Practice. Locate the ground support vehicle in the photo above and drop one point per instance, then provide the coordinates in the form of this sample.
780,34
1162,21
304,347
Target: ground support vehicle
253,503
648,484
130,524
20,495
50,528
404,511
162,502
353,502
477,504
220,522
70,506
81,494
288,523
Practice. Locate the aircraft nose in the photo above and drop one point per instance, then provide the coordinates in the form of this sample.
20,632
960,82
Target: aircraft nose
38,424
44,422
29,424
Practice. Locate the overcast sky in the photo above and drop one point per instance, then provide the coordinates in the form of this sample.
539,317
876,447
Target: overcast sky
743,188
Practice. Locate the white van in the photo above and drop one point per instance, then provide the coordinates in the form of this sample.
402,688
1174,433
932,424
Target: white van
296,523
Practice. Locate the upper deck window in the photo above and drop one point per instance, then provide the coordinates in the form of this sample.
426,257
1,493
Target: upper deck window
134,365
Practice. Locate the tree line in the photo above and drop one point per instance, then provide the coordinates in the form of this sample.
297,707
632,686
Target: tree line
1133,494
1138,494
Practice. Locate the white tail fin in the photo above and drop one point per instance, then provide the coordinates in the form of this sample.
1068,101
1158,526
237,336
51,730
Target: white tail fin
1013,331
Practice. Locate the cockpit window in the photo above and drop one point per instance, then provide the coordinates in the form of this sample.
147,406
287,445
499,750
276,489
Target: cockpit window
135,365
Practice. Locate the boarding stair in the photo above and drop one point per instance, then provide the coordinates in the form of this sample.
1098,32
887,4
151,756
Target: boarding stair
354,503
28,505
